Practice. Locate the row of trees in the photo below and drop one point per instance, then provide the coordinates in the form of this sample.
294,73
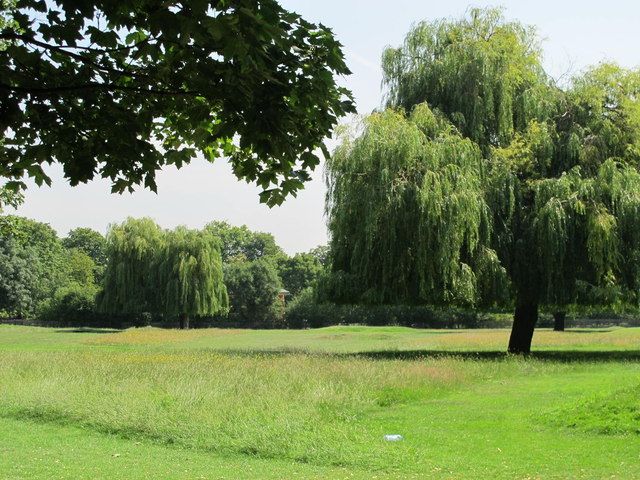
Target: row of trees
164,272
485,183
35,266
141,271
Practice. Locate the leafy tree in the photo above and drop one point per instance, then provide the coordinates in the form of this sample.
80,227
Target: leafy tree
32,262
80,267
299,272
482,72
122,89
251,263
88,241
191,275
240,243
18,280
151,270
73,302
253,288
130,283
73,305
489,179
407,215
321,254
91,243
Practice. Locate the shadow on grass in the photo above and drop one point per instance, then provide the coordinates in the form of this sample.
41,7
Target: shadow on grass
564,356
87,330
587,330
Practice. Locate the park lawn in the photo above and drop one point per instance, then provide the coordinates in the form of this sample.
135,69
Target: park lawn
30,450
151,403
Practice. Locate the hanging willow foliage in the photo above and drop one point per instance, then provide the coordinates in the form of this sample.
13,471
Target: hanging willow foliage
152,270
485,182
130,279
482,72
407,211
191,274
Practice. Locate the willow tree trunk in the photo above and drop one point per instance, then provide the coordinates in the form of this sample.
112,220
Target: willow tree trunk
525,318
558,321
184,321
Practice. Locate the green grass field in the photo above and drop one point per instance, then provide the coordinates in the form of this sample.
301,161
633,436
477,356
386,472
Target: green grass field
150,403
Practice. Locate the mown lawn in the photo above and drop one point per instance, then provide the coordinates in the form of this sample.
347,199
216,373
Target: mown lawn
150,403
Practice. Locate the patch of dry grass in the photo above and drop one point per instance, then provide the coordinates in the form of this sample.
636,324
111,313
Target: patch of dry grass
150,336
463,340
622,338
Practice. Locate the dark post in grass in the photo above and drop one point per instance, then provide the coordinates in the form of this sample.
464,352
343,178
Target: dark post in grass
558,321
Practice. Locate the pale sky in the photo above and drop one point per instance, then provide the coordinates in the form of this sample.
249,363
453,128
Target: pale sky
576,34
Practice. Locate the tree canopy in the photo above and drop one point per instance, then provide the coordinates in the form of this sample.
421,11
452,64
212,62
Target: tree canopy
89,241
482,72
407,212
81,267
191,274
130,279
122,89
253,287
240,243
32,264
485,181
299,271
151,270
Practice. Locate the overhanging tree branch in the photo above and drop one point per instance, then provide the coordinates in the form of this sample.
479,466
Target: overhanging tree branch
76,56
49,91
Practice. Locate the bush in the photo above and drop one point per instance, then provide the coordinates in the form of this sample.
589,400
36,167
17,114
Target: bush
74,306
253,292
303,312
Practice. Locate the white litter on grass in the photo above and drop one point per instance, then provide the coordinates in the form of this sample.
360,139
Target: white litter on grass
393,437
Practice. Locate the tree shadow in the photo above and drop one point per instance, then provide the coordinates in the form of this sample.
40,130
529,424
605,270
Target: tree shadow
588,330
562,356
87,330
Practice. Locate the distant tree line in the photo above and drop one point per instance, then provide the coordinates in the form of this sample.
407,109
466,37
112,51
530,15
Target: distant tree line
140,273
223,275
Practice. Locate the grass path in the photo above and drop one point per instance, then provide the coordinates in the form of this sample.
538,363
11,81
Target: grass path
498,429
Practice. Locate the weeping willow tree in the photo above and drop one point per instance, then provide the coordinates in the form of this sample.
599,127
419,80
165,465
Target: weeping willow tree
191,275
484,181
407,213
564,192
482,72
131,277
150,270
